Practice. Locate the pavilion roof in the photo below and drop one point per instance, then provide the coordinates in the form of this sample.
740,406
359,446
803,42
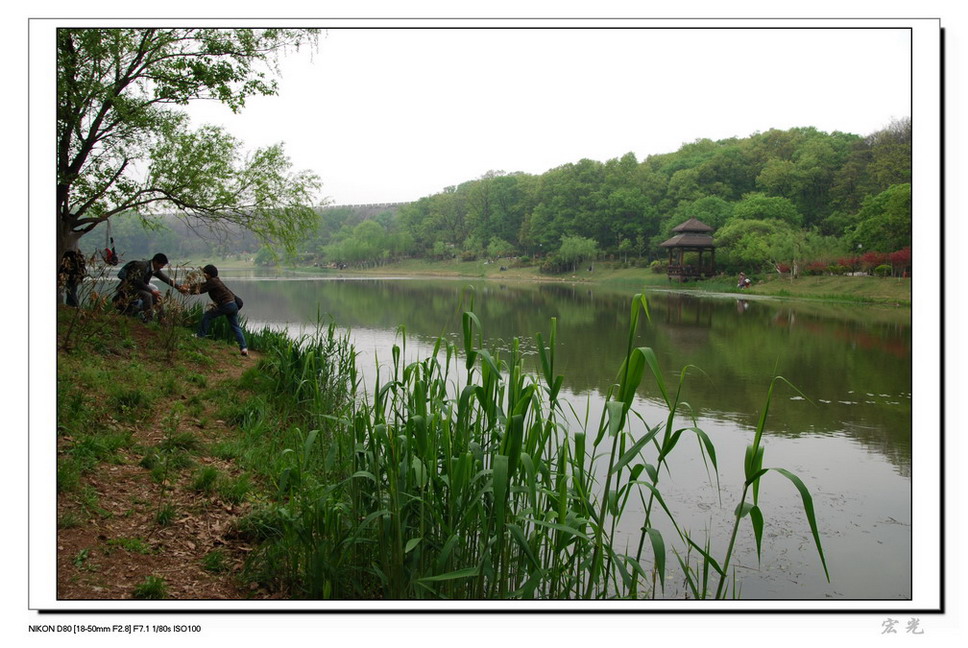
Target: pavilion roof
689,239
693,225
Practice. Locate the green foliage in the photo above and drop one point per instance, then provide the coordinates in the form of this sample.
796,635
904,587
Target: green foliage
806,178
499,248
234,489
205,479
114,89
758,206
179,441
890,157
452,479
884,222
151,588
265,257
576,249
166,514
215,561
134,545
748,244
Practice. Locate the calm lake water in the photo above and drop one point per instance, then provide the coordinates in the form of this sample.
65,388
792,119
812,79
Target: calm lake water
850,442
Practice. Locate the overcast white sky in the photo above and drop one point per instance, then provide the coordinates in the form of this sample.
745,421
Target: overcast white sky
391,115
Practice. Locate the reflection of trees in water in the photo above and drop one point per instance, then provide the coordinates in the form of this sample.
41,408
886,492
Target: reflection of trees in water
834,354
895,447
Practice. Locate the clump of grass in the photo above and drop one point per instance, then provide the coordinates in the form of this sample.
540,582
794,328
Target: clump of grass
81,558
197,358
170,386
68,475
73,408
197,379
205,479
150,460
166,515
152,588
179,441
234,489
130,403
69,520
163,464
263,523
226,450
215,561
90,501
89,449
84,454
134,545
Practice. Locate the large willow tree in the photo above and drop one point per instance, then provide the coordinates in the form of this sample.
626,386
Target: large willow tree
123,144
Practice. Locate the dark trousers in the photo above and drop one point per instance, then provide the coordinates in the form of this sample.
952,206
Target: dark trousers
231,313
133,301
71,294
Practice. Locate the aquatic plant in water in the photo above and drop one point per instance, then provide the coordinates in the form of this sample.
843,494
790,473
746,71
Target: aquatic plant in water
460,477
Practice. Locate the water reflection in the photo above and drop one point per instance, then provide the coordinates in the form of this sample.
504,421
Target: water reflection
848,434
852,363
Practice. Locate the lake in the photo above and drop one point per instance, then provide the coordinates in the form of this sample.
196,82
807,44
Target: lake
848,436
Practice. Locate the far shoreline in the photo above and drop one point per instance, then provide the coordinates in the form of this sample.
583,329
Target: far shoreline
882,291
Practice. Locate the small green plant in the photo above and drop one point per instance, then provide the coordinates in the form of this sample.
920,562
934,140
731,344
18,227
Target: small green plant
197,379
166,515
81,558
215,561
68,475
261,524
153,587
150,460
130,402
234,490
90,501
177,313
179,441
69,520
197,358
205,479
227,450
134,545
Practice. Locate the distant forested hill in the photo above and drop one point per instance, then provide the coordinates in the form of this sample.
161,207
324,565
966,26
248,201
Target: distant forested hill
773,197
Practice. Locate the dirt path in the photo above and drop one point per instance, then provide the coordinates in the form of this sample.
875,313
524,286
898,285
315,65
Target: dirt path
123,524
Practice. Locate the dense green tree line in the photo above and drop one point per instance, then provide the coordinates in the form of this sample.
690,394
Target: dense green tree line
781,198
778,198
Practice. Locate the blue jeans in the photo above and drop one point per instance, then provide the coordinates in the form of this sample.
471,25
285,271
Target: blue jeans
231,312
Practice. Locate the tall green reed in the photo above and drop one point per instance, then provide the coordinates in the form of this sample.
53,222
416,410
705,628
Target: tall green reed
461,476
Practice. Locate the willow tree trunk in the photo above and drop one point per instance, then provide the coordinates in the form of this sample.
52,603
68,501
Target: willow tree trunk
67,238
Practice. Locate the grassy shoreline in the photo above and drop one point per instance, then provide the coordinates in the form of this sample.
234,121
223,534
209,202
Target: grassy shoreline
448,481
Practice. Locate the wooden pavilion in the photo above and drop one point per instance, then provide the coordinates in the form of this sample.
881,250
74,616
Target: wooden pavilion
691,236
